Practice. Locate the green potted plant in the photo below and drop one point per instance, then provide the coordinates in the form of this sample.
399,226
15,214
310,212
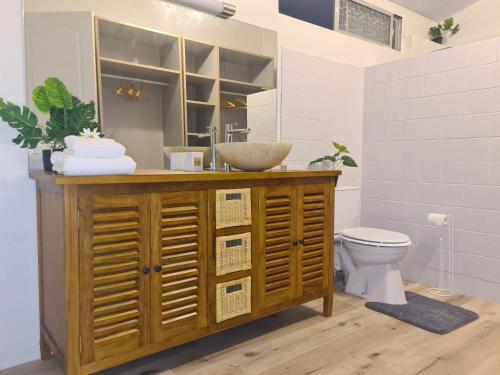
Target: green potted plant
438,32
336,161
67,116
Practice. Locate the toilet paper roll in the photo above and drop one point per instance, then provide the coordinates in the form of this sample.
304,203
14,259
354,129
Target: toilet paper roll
437,219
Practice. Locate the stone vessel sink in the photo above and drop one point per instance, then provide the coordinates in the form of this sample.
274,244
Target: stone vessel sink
253,156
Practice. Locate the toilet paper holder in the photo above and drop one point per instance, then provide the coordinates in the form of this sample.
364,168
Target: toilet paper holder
442,290
438,219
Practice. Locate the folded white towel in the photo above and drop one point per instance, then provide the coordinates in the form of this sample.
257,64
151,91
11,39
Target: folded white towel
69,165
93,147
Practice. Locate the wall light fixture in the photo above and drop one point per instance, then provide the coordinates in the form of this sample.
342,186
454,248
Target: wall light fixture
219,8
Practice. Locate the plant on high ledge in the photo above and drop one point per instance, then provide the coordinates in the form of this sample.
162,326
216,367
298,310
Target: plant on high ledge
67,116
438,32
339,159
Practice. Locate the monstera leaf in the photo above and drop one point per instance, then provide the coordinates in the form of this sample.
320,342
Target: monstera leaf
55,128
57,94
81,117
24,121
41,99
68,116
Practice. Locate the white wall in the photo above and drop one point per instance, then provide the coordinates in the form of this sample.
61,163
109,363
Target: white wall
18,269
477,22
331,45
432,144
293,33
18,257
322,100
262,116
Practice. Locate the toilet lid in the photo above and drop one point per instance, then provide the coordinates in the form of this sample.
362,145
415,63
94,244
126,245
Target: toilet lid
374,235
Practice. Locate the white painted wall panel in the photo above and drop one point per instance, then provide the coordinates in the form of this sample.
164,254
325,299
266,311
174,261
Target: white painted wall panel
18,256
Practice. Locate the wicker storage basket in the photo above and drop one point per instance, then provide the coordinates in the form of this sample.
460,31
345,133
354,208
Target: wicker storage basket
233,208
234,253
234,298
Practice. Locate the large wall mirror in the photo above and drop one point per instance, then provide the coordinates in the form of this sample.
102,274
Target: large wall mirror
161,74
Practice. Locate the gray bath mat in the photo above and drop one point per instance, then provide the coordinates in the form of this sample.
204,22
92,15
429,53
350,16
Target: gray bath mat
427,313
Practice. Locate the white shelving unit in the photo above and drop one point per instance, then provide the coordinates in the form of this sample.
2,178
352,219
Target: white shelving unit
143,60
246,69
186,85
152,88
242,74
201,88
137,71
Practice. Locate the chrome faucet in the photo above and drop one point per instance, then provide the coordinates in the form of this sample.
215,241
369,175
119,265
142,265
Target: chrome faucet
213,140
229,130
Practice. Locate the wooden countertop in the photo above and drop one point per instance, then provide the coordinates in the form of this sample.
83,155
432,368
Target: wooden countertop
147,176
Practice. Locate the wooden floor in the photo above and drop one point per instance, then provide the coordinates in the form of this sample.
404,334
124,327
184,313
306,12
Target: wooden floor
354,341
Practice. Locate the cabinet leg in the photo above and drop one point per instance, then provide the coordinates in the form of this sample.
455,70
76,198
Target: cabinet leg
45,352
328,306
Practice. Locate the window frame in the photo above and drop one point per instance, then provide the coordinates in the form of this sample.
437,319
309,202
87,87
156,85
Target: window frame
336,24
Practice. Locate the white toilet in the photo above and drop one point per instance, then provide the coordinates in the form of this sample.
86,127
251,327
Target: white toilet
368,256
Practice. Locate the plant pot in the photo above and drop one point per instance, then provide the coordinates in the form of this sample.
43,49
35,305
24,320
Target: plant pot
327,165
438,39
47,164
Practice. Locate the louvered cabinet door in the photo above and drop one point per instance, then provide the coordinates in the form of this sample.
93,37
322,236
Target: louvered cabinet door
276,254
114,250
179,258
315,229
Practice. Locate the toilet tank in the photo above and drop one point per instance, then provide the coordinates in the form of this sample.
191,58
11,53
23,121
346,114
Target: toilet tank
347,207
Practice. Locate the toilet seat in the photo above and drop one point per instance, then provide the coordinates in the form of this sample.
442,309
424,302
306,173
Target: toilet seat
375,237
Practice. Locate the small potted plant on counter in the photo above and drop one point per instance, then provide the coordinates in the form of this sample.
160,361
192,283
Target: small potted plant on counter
438,32
67,116
336,161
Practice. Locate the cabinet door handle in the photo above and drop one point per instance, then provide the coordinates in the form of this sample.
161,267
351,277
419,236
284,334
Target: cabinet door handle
296,243
158,268
301,242
146,271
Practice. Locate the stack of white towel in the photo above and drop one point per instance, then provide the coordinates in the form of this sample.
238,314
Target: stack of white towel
86,156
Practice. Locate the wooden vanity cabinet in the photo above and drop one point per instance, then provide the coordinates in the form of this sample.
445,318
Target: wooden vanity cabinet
143,268
293,243
179,264
128,263
114,254
274,245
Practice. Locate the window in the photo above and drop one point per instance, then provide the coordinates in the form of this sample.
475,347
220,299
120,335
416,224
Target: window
361,19
397,31
317,12
355,17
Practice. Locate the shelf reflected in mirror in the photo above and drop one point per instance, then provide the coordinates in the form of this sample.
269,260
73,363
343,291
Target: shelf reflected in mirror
158,80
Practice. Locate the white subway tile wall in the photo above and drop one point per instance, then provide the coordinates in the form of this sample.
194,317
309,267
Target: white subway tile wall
431,143
322,100
262,116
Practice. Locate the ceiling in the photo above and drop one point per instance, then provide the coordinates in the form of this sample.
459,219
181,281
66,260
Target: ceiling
436,10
